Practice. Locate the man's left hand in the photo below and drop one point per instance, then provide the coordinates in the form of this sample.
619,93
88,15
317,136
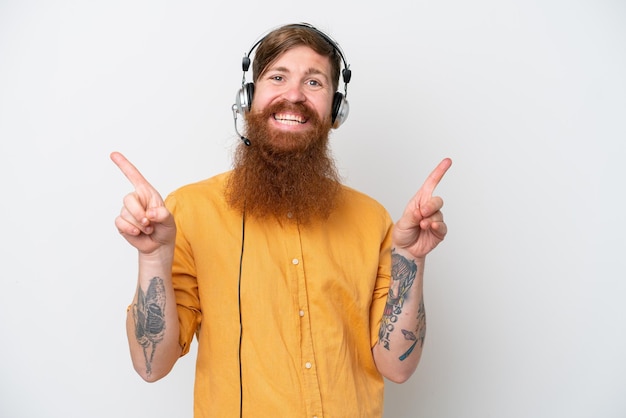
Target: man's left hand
421,227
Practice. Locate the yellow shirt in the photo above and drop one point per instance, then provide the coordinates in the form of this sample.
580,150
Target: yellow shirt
311,302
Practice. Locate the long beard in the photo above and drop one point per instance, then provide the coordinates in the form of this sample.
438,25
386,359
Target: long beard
284,174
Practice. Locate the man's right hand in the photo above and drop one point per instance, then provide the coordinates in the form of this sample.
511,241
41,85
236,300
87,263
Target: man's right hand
144,220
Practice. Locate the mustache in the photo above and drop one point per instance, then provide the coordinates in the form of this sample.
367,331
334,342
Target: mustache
286,106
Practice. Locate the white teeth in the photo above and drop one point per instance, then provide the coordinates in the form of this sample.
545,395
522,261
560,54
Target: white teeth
289,119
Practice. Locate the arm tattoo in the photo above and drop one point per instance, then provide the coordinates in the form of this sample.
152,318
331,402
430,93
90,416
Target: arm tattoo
148,314
403,274
420,331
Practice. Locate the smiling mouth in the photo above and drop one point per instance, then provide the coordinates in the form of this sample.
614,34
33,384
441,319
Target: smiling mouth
289,118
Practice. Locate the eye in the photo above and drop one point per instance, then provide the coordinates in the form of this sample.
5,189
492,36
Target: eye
276,78
314,83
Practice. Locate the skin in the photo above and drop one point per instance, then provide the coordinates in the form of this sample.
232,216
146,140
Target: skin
149,227
418,231
299,76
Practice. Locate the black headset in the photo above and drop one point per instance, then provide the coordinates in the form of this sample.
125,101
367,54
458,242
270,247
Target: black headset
340,107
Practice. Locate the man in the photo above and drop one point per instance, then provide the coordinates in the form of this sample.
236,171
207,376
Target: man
302,293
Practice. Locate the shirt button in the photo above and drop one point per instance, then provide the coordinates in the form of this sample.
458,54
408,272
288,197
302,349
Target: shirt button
295,261
289,215
308,365
301,313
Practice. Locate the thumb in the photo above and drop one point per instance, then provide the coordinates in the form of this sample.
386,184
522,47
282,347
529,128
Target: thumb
160,214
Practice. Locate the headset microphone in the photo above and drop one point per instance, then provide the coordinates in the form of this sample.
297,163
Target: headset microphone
243,138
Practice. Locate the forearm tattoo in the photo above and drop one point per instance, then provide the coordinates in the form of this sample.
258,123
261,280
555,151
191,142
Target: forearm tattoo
403,273
418,335
149,317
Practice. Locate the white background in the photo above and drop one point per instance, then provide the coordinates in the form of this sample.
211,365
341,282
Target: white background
526,298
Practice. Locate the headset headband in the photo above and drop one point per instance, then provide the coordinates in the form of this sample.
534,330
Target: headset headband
346,73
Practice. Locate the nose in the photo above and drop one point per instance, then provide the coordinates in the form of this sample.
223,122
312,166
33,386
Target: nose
294,93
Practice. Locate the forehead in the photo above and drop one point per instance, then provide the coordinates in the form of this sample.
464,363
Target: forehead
301,58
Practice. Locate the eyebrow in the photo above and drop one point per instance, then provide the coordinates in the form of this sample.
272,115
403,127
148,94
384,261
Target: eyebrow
310,71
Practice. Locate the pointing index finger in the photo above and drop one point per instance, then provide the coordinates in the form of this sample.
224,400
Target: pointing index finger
435,177
129,170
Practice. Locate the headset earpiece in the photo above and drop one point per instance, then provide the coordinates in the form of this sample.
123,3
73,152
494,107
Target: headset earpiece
340,110
249,95
243,100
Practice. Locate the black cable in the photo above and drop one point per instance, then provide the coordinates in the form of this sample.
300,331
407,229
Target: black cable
243,237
